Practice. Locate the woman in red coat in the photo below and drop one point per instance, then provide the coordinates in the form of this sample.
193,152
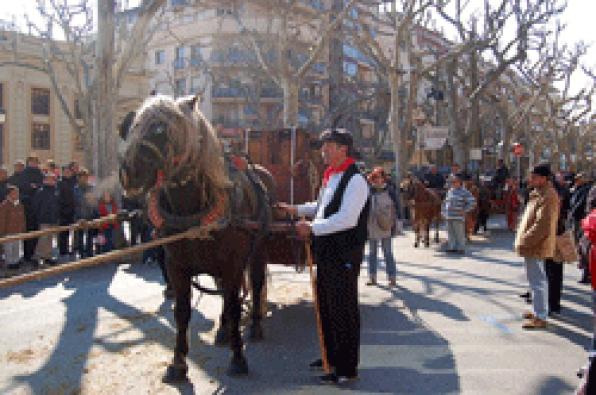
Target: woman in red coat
511,204
107,205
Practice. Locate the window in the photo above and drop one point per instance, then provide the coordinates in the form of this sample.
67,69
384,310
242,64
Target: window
40,101
180,88
179,61
40,136
2,99
176,3
195,55
195,85
160,56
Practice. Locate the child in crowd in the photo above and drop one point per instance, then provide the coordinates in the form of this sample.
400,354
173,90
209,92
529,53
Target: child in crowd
107,205
12,220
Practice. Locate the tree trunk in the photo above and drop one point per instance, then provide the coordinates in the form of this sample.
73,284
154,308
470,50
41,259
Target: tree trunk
106,137
290,90
456,137
396,132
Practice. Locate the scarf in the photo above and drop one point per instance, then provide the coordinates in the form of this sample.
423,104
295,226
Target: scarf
330,170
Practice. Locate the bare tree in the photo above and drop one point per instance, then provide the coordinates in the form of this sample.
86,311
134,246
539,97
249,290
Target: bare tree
293,39
94,65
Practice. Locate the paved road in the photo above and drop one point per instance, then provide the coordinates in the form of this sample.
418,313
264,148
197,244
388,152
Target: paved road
451,326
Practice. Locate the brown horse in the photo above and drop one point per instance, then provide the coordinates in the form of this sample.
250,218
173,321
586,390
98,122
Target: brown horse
173,156
472,216
425,209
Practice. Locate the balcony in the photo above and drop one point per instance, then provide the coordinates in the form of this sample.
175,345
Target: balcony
221,92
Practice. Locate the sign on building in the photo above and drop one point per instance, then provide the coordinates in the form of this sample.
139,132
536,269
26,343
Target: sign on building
434,137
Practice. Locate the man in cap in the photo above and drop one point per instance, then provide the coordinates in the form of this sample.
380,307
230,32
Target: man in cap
339,231
535,241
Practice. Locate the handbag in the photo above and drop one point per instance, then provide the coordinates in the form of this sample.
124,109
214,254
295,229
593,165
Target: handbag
565,249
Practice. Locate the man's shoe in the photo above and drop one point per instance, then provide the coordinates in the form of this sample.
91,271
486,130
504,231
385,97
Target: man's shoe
584,281
528,315
317,364
534,323
392,282
451,251
332,378
461,252
51,262
371,283
13,266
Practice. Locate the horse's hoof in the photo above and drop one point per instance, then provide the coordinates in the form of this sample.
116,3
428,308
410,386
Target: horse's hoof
415,245
238,367
175,374
255,333
222,337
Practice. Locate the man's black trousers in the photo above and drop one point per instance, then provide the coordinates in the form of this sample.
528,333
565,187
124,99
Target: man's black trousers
554,275
337,290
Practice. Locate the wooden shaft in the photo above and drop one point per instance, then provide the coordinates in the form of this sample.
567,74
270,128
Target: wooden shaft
313,283
96,223
96,260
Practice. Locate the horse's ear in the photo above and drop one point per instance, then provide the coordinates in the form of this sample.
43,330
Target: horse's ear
188,103
125,125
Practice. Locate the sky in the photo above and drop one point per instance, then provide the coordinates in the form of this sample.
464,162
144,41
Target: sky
578,17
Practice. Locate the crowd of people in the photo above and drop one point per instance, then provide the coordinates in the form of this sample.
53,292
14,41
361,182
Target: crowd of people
38,197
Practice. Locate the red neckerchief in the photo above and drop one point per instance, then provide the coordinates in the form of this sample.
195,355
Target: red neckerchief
330,170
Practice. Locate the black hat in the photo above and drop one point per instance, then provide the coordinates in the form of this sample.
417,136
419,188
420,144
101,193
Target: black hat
340,136
542,169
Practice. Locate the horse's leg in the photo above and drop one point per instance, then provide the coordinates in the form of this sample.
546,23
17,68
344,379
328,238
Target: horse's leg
232,309
222,336
427,233
257,279
416,227
437,224
176,371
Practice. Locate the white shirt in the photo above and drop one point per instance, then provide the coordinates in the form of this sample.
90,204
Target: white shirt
353,201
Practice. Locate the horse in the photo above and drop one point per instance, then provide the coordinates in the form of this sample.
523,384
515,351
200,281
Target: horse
171,155
472,216
425,209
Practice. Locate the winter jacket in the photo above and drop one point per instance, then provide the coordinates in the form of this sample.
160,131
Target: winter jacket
458,202
3,190
85,207
67,198
579,197
536,234
12,218
591,201
380,204
28,181
44,205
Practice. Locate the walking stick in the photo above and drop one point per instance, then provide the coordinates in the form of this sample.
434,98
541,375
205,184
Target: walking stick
313,283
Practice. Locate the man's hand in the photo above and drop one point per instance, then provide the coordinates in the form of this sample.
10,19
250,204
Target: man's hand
287,208
303,229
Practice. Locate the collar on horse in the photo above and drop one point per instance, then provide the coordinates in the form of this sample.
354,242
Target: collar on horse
219,213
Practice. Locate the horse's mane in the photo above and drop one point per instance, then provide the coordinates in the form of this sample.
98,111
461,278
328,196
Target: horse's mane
194,145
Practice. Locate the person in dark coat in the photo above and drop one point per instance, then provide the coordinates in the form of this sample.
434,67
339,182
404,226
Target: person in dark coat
28,182
577,212
66,195
501,173
45,208
3,183
18,168
434,179
554,269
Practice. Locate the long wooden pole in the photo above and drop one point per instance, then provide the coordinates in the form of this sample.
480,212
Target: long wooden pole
313,283
97,260
96,223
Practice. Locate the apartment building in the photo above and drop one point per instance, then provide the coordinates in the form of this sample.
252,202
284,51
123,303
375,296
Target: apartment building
32,120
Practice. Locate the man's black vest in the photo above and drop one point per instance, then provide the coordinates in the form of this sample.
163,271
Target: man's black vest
339,246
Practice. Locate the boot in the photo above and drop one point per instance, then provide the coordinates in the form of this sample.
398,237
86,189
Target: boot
372,280
392,281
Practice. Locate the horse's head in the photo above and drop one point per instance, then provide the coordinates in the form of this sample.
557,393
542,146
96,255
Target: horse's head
410,187
167,140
